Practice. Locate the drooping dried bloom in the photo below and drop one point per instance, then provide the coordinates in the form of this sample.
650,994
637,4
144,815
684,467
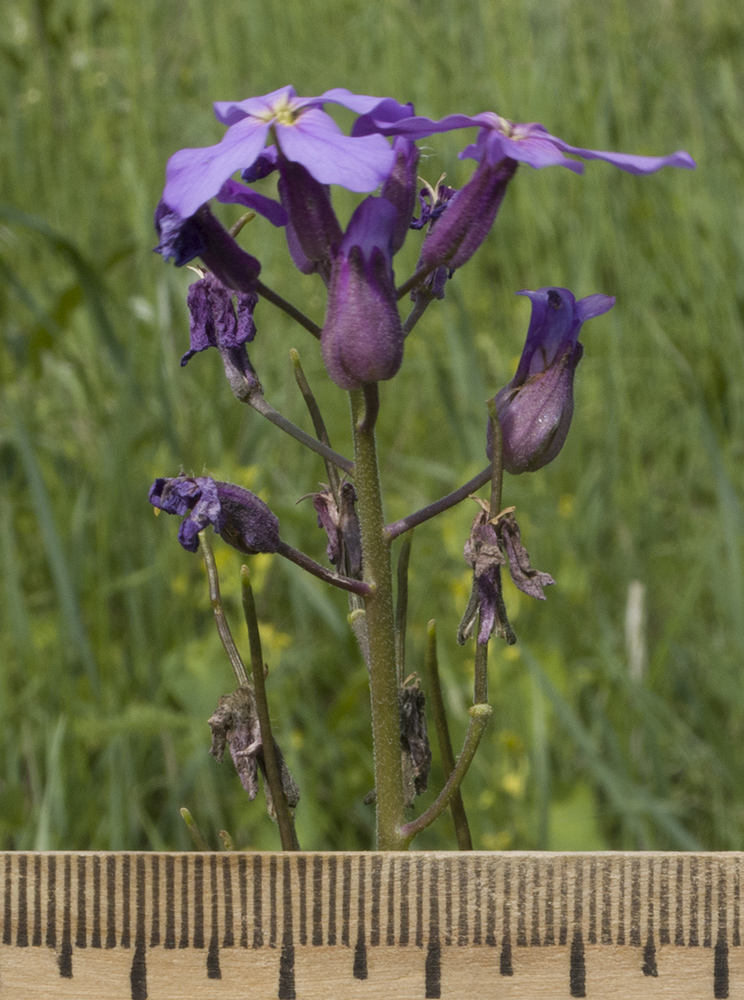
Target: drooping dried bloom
414,741
536,407
493,543
304,134
362,338
235,725
201,235
341,525
215,322
239,516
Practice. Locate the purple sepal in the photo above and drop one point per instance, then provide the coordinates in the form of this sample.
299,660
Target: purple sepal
400,188
536,407
239,516
312,226
467,217
362,338
235,193
264,165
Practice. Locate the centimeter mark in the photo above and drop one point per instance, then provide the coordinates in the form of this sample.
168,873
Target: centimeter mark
363,902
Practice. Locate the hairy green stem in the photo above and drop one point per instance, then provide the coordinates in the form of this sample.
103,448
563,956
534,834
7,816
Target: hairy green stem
479,716
457,807
380,621
284,818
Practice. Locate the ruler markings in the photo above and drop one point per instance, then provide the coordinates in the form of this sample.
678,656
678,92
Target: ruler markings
505,958
272,901
491,905
577,969
36,940
227,888
433,967
332,900
346,902
536,897
73,901
360,952
649,952
521,905
374,932
22,930
286,990
419,902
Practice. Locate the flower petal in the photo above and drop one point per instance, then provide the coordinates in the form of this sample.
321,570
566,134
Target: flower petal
193,176
234,193
316,141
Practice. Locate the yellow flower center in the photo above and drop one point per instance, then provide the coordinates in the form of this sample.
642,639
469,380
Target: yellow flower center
283,113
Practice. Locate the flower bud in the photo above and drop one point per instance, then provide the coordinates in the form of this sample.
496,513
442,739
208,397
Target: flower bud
400,188
536,407
362,339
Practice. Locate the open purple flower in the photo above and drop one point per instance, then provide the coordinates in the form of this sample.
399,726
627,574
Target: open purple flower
243,520
362,338
500,139
536,407
500,146
303,132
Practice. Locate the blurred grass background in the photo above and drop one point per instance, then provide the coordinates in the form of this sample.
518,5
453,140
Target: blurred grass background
619,716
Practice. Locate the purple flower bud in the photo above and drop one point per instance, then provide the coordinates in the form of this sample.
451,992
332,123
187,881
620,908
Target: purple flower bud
362,339
536,407
243,520
201,235
400,188
312,226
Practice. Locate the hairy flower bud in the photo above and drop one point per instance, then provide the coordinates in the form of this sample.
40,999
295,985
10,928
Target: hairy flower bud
400,187
362,338
536,407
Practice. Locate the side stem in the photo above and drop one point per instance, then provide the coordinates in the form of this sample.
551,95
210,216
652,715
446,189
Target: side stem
273,777
380,620
479,716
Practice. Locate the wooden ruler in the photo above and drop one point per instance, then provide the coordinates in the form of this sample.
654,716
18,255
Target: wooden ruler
380,926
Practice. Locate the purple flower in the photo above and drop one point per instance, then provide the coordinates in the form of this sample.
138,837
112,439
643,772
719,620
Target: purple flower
500,139
303,132
536,407
500,146
362,338
243,520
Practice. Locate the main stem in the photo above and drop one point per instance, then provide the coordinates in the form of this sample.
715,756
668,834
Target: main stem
380,621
